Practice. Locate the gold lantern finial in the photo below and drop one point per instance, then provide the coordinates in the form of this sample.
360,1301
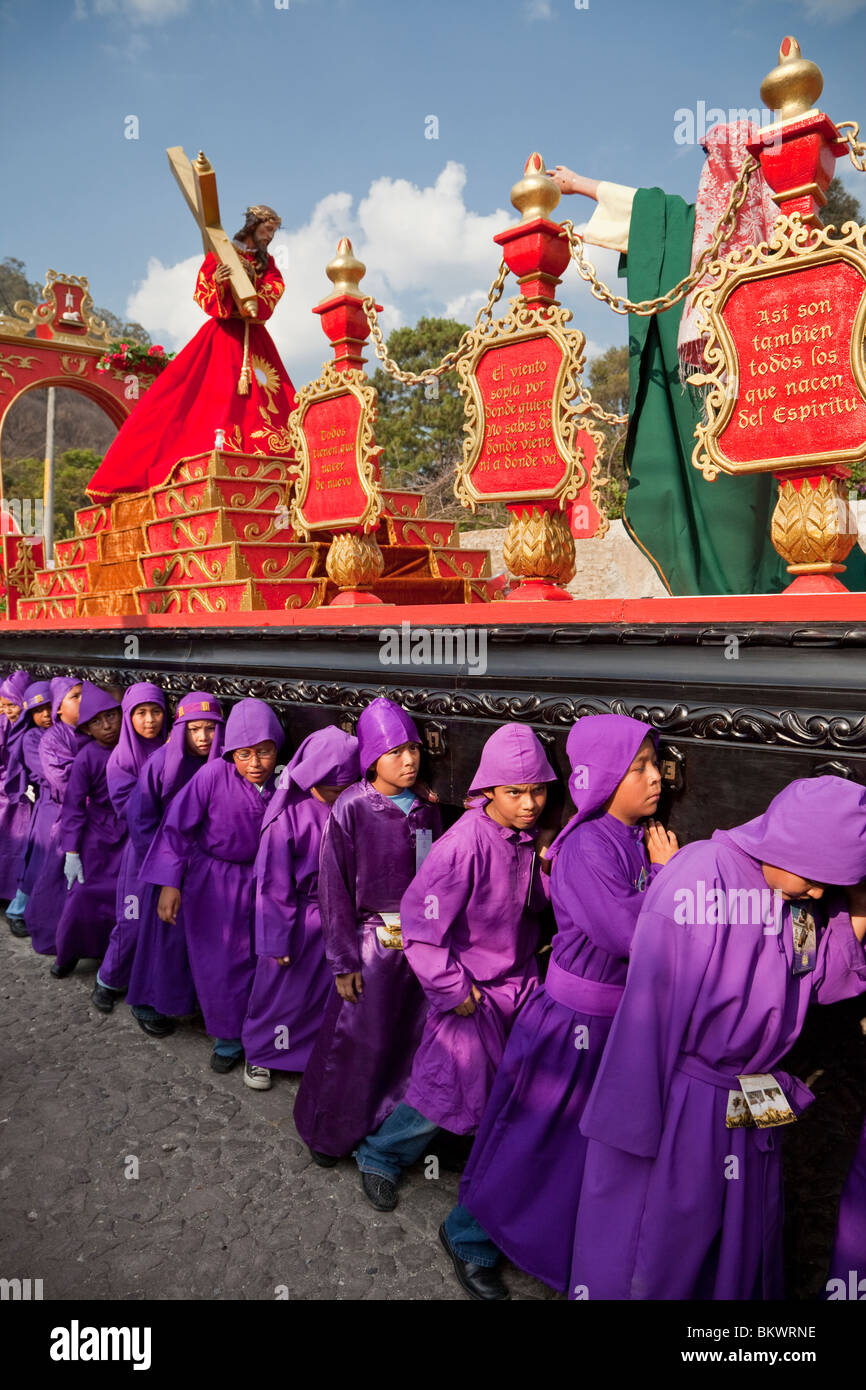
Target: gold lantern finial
795,85
535,195
345,271
202,163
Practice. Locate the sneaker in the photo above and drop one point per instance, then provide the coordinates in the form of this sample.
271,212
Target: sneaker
323,1160
17,925
257,1078
156,1027
380,1192
222,1064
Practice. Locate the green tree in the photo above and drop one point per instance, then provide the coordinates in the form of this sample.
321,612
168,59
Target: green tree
73,470
15,285
841,206
607,379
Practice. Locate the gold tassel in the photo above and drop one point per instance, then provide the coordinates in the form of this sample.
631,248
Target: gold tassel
245,378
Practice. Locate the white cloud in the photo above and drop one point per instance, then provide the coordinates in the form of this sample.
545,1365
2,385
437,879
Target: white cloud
132,11
537,9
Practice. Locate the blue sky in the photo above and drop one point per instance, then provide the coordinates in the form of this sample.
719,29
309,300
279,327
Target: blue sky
320,109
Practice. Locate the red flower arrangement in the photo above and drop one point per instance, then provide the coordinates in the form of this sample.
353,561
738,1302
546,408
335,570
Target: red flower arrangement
127,356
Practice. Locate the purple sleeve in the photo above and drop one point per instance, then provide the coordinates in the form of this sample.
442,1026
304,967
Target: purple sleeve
438,893
666,969
337,876
144,807
121,785
57,760
166,860
276,908
840,964
591,891
73,817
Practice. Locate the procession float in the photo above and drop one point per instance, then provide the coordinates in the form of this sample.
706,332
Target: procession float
273,560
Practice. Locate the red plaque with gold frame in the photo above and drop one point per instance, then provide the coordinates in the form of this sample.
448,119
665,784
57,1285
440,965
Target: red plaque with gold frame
785,331
519,379
336,469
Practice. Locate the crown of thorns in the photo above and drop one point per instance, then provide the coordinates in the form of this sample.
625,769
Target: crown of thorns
264,214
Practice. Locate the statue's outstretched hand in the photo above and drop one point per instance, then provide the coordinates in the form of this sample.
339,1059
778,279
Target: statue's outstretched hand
567,181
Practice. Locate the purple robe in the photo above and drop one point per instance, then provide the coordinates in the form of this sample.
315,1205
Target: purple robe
489,890
161,977
523,1178
124,766
849,1252
287,1003
206,847
663,1213
359,1067
57,752
43,814
14,814
90,828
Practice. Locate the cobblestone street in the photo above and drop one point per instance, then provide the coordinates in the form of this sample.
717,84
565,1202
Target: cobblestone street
227,1203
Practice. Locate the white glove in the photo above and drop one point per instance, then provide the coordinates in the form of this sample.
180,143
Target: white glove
30,793
72,870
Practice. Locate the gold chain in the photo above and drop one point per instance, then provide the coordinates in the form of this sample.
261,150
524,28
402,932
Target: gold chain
647,307
450,360
850,132
606,415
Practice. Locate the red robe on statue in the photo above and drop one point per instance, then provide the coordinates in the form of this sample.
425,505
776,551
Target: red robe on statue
197,393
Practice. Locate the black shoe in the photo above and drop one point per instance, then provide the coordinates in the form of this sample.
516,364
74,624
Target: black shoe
157,1027
479,1281
380,1192
17,926
223,1064
61,971
104,998
323,1160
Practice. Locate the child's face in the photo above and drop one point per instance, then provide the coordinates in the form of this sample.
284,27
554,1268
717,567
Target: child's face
147,720
638,793
68,711
42,717
397,769
518,806
791,885
199,736
327,794
257,762
11,710
104,728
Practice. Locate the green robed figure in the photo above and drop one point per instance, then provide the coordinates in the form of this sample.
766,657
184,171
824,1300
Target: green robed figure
702,538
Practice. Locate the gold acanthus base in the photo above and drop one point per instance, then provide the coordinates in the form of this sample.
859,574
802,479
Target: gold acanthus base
354,561
813,527
539,545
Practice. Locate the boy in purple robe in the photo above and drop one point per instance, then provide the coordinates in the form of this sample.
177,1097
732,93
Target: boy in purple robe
293,980
161,986
203,855
848,1266
682,1194
523,1178
141,734
22,781
470,922
91,837
57,752
14,816
374,840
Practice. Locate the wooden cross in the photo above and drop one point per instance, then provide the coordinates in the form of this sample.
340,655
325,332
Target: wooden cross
198,185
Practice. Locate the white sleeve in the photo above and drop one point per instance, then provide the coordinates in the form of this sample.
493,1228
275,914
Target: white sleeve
609,224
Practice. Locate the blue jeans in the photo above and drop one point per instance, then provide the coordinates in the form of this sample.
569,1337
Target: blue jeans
397,1143
228,1047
